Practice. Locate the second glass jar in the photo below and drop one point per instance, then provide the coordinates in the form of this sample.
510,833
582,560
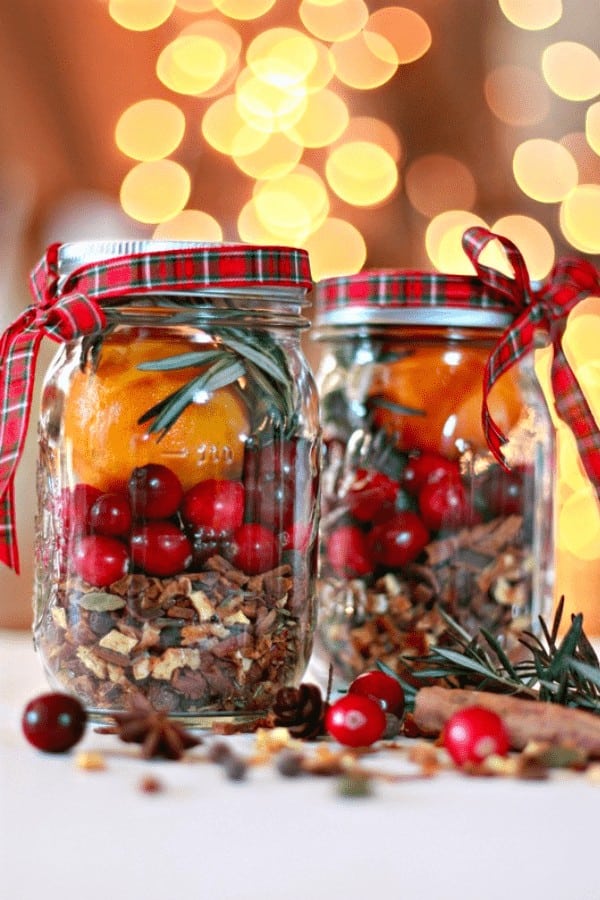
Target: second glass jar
419,520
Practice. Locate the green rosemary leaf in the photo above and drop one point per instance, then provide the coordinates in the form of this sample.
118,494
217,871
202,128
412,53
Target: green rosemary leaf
181,361
567,647
382,403
222,373
590,673
268,400
464,662
456,627
260,357
557,620
588,653
495,645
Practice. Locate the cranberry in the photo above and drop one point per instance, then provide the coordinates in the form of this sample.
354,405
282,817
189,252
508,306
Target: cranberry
297,537
160,548
53,722
78,504
355,721
387,691
427,468
255,548
155,492
444,504
279,482
214,504
111,515
348,552
369,494
399,540
100,559
473,733
505,492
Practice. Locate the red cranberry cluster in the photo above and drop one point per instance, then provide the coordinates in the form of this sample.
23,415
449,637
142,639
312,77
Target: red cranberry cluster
156,528
359,718
389,522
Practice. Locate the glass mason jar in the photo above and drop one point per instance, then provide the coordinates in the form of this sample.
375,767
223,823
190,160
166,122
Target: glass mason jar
419,519
178,476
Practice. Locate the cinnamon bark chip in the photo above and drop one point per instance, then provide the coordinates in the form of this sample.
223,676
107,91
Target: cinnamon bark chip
525,720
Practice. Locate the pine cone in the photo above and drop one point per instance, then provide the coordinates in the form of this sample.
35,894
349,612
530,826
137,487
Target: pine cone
301,710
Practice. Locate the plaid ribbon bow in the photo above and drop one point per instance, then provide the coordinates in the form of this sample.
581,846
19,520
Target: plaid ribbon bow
72,309
60,319
570,281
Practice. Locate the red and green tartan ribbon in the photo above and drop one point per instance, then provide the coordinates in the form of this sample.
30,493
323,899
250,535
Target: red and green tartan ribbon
547,309
73,309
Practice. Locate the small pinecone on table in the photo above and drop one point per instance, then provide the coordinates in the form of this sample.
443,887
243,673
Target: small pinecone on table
301,710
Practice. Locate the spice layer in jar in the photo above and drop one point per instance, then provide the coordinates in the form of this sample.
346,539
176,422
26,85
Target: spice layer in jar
177,480
419,520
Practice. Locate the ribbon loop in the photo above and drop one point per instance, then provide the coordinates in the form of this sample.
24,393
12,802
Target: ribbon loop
546,308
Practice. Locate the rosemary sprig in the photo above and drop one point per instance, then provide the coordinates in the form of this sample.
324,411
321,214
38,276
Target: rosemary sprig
566,672
268,391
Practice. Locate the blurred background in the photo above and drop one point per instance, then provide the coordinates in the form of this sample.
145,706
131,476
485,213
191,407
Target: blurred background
371,133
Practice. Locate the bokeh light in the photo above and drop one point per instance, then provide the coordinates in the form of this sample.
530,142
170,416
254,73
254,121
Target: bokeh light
436,182
532,15
251,229
592,127
150,129
335,22
276,156
224,129
154,191
443,240
374,131
572,70
544,170
533,240
361,173
324,120
265,104
140,15
294,205
579,218
189,225
284,56
404,29
244,9
197,6
579,524
191,64
336,248
588,162
365,61
517,95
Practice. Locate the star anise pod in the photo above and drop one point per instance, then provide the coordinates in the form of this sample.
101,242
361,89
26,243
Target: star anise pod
152,728
301,710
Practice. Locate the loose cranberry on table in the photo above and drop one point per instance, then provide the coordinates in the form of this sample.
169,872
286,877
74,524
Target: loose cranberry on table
160,548
369,494
215,503
110,514
53,722
427,468
355,720
255,548
382,688
474,733
100,559
398,541
155,492
347,552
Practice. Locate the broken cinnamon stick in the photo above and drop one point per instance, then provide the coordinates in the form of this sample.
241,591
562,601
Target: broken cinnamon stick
525,720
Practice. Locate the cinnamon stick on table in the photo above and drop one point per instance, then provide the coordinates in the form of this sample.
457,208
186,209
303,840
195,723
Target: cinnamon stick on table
525,720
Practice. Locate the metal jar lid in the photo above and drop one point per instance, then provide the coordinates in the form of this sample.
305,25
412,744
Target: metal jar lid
406,297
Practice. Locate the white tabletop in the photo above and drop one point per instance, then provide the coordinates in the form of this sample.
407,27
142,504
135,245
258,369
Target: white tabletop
67,833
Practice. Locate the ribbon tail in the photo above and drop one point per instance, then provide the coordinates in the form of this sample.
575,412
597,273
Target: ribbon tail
9,550
19,350
574,410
